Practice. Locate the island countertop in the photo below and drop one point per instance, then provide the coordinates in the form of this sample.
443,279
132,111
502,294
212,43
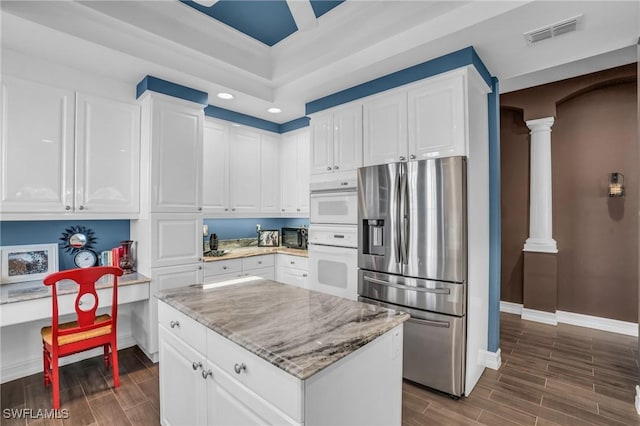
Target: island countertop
298,330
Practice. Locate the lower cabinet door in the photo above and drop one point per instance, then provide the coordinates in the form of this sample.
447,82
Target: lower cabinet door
266,273
183,390
292,276
230,403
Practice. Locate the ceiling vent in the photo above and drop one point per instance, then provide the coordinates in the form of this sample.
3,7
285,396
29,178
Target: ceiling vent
553,30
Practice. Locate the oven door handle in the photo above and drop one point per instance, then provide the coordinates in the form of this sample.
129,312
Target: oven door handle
430,323
407,287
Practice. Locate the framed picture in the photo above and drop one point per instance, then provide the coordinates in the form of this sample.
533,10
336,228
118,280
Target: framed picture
269,238
28,262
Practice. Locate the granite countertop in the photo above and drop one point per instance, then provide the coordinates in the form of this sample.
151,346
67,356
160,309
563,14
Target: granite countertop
18,292
237,253
299,331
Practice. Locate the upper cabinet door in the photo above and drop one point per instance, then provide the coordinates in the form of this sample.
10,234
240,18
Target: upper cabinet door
302,172
437,119
288,173
215,168
385,129
36,157
244,161
269,175
107,156
322,144
176,157
347,138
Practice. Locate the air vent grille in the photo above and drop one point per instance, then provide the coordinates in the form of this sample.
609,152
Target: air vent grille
553,30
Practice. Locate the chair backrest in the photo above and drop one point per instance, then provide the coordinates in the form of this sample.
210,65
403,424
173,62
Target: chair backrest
86,279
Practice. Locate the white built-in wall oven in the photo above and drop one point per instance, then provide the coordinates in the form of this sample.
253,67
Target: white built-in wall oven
333,241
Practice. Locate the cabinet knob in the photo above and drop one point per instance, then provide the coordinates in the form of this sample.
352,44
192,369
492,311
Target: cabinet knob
259,262
224,267
207,373
67,207
174,324
199,267
199,209
283,210
304,275
239,368
226,210
81,207
335,167
412,157
329,168
298,209
292,262
402,158
233,209
195,365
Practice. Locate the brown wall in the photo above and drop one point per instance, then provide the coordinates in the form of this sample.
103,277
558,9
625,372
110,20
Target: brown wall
514,165
594,134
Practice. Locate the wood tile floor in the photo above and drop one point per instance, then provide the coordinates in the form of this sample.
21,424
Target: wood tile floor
562,375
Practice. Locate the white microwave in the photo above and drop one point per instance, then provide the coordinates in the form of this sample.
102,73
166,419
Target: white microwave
340,207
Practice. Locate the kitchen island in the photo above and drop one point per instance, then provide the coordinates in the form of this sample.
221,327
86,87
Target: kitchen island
261,352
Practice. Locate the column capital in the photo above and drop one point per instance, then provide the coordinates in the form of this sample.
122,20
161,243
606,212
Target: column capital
540,124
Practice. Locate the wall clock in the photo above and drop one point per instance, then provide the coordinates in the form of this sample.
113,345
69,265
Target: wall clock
85,258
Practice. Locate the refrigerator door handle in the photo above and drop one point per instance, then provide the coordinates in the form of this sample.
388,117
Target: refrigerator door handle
408,287
404,218
397,236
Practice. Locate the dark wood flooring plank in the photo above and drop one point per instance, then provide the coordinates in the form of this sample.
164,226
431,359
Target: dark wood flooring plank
143,415
93,382
107,411
128,393
151,390
77,406
12,394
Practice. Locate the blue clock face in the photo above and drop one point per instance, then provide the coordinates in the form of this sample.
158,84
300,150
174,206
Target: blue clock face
85,259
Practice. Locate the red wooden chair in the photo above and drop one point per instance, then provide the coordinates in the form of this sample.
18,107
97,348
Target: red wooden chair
87,332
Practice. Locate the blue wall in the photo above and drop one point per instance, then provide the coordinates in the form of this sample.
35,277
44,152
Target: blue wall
108,234
493,343
228,229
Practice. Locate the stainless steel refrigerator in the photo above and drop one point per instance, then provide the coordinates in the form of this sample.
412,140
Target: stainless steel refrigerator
412,256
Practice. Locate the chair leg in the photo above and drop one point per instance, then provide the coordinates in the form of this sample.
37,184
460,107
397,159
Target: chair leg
114,363
55,381
106,355
46,366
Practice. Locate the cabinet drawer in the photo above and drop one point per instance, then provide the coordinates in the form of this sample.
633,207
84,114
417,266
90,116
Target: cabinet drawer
279,388
187,329
219,267
290,261
255,262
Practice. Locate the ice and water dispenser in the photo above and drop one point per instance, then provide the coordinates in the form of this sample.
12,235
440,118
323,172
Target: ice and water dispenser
374,237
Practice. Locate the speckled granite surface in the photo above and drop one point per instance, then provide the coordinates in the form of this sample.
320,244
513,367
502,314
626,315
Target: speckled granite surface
18,292
297,330
256,251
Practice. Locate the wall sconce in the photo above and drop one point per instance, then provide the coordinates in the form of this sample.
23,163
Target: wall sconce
616,185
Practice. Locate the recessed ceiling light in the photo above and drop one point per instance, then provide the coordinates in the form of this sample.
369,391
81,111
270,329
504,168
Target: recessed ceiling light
274,110
225,95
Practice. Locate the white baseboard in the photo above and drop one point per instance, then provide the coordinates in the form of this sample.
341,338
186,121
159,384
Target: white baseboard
494,360
539,316
599,323
511,308
31,366
581,320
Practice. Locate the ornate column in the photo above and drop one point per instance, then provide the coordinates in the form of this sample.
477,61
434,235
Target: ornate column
540,212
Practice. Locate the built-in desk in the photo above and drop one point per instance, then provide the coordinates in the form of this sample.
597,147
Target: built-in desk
26,307
29,301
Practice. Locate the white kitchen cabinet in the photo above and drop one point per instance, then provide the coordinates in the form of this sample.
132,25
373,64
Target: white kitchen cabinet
336,140
437,118
178,239
294,177
176,155
293,270
385,128
87,171
269,174
221,270
183,392
215,168
244,169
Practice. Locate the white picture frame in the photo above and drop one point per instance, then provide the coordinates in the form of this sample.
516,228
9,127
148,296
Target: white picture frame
30,262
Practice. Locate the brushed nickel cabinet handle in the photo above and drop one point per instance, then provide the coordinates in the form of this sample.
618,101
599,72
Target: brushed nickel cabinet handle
67,207
207,373
239,368
329,168
174,324
412,156
196,365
